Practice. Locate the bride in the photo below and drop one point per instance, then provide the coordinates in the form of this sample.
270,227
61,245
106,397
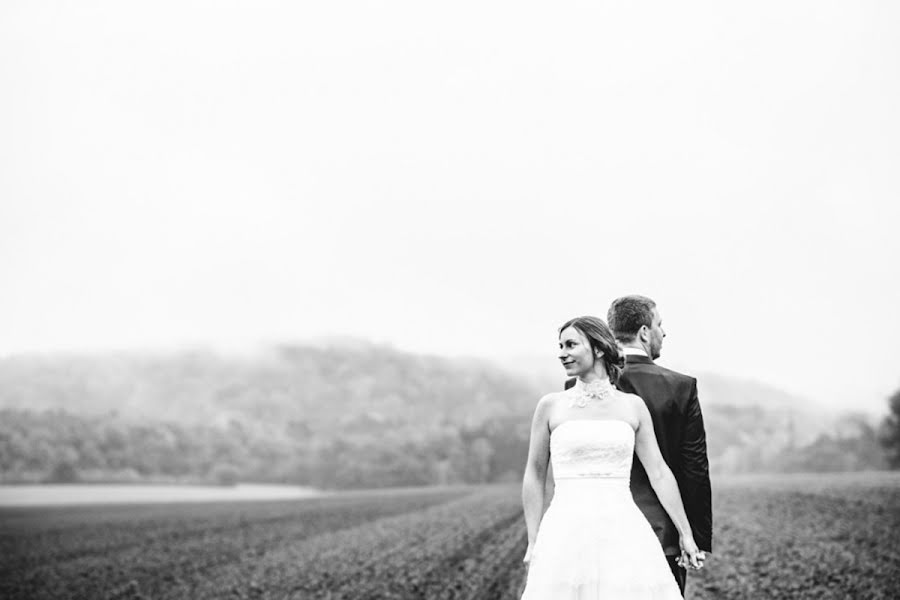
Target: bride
593,542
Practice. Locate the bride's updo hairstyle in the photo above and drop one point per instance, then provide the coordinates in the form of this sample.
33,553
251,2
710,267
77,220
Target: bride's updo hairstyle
601,339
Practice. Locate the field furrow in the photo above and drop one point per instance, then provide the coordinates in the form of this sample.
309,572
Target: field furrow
814,537
781,543
387,558
159,562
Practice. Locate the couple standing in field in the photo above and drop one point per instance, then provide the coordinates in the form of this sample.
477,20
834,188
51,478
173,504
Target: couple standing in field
617,527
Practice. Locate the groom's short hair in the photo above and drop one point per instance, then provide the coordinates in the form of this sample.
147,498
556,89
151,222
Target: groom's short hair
628,314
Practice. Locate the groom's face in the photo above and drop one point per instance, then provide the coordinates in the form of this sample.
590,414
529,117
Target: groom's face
657,334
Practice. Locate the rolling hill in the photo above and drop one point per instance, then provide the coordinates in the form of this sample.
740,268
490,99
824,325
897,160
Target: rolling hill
330,414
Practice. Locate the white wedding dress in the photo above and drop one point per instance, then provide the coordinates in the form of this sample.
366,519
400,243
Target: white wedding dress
593,541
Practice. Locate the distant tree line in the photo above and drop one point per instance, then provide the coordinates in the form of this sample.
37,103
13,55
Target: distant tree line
343,418
55,446
329,416
889,435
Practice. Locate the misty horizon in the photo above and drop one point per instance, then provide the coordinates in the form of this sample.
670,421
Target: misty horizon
542,371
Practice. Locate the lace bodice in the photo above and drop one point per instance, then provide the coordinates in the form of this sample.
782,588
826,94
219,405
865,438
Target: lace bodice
584,448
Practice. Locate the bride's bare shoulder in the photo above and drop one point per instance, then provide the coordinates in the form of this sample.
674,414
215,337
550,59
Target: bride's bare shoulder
630,398
548,401
635,403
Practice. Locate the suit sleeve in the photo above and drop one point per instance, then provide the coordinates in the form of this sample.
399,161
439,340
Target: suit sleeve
695,486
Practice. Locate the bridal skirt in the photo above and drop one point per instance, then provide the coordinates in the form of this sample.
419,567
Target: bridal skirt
593,543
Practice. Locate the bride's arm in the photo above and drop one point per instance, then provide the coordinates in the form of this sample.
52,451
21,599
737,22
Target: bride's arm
661,478
536,471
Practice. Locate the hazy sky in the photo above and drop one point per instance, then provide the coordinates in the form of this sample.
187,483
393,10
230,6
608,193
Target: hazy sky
458,178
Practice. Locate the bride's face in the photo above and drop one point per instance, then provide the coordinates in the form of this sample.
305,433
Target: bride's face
575,352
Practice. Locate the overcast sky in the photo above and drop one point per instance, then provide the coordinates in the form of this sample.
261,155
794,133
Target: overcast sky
458,179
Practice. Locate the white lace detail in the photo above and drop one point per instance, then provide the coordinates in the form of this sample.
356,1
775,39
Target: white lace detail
582,393
592,448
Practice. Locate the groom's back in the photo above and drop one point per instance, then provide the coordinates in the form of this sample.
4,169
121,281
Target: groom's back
671,399
668,395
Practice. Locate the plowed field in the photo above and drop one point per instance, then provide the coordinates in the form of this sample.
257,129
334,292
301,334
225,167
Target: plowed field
775,537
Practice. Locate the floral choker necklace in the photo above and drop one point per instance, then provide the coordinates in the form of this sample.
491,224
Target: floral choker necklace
600,389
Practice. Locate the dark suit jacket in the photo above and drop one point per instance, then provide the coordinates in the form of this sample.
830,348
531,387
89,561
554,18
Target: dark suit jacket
678,423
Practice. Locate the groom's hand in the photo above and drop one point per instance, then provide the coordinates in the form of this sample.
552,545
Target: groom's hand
689,561
691,556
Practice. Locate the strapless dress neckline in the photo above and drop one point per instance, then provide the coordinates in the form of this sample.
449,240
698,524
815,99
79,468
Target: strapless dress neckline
622,421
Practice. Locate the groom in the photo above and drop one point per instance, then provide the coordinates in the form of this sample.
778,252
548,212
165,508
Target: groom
672,400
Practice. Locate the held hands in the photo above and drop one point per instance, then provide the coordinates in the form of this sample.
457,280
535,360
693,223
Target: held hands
691,556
